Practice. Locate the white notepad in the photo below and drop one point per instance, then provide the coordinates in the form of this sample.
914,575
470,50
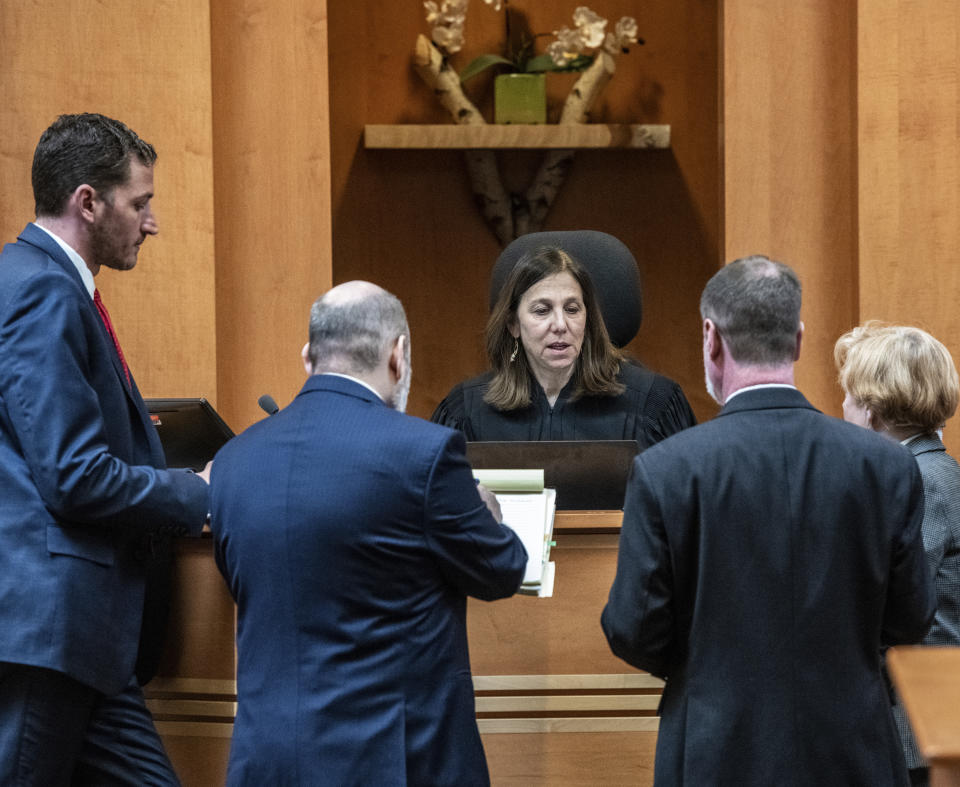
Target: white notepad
528,510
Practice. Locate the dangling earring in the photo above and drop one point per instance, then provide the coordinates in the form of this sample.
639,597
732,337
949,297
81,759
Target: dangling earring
516,349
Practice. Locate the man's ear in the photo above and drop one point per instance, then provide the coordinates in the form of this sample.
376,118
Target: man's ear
305,355
84,199
712,343
398,361
796,354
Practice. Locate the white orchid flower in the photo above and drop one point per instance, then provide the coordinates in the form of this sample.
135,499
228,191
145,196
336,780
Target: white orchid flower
625,34
568,45
449,12
590,26
447,19
449,39
627,30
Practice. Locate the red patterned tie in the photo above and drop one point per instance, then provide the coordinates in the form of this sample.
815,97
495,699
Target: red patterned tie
105,316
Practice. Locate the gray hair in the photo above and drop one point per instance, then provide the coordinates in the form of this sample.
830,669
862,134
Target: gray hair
755,304
351,336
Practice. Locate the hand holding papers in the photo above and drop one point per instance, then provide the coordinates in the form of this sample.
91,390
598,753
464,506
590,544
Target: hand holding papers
528,510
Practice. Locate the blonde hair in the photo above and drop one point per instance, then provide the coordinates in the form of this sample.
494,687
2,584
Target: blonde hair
904,376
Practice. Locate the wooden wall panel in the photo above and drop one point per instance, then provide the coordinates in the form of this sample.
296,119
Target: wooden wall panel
270,121
406,219
789,182
149,66
527,635
567,759
909,162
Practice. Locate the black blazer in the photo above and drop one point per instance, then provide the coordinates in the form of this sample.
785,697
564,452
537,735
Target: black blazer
764,558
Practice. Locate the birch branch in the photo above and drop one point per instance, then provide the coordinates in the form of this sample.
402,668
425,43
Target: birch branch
556,163
485,182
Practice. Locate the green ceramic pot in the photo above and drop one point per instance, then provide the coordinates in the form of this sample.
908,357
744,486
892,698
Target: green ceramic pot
520,98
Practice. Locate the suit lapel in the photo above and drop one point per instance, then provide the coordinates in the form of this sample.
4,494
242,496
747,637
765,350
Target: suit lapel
34,236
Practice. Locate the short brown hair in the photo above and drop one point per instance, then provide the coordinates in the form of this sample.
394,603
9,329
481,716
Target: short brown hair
87,148
598,364
904,376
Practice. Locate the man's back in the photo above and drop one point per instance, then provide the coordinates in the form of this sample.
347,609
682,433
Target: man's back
775,548
350,583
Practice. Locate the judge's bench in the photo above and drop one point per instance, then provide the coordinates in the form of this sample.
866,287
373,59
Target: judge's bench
554,706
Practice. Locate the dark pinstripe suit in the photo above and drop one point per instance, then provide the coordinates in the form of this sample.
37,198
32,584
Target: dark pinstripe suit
764,558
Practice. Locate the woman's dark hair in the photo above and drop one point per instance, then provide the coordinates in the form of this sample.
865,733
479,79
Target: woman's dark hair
599,361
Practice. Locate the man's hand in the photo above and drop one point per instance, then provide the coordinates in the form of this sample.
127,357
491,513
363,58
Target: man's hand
490,499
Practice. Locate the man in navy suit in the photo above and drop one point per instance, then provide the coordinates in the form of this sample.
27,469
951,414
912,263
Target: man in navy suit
84,496
764,558
350,535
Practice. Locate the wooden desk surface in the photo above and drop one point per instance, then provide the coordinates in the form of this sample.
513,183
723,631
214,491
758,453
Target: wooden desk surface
928,681
587,520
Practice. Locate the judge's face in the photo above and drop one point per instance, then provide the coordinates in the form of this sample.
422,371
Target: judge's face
550,323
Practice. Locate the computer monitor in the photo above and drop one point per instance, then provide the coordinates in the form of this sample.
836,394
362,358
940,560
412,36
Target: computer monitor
587,474
190,430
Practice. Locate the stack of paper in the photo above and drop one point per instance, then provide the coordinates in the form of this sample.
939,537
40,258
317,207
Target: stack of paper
528,509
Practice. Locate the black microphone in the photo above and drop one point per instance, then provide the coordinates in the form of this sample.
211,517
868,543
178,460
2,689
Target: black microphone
268,405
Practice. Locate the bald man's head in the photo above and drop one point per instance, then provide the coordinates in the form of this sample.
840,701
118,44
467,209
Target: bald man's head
351,291
353,328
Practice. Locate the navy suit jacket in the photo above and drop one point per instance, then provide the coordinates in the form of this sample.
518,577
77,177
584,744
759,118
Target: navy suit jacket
764,558
80,486
350,535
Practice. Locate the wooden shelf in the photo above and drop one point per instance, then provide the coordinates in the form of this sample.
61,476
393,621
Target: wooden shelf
573,136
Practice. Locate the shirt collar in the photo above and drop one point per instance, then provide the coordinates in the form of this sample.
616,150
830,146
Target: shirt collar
356,380
75,258
911,438
757,388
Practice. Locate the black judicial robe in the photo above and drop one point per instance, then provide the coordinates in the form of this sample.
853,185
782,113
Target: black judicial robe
651,408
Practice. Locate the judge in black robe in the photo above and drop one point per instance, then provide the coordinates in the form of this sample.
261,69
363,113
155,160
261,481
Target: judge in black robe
651,408
590,393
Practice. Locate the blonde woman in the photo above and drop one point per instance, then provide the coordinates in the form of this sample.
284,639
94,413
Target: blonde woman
902,382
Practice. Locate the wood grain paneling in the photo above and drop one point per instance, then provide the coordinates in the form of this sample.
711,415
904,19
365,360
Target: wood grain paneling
789,182
608,758
200,637
406,219
909,169
149,66
928,680
527,635
272,194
